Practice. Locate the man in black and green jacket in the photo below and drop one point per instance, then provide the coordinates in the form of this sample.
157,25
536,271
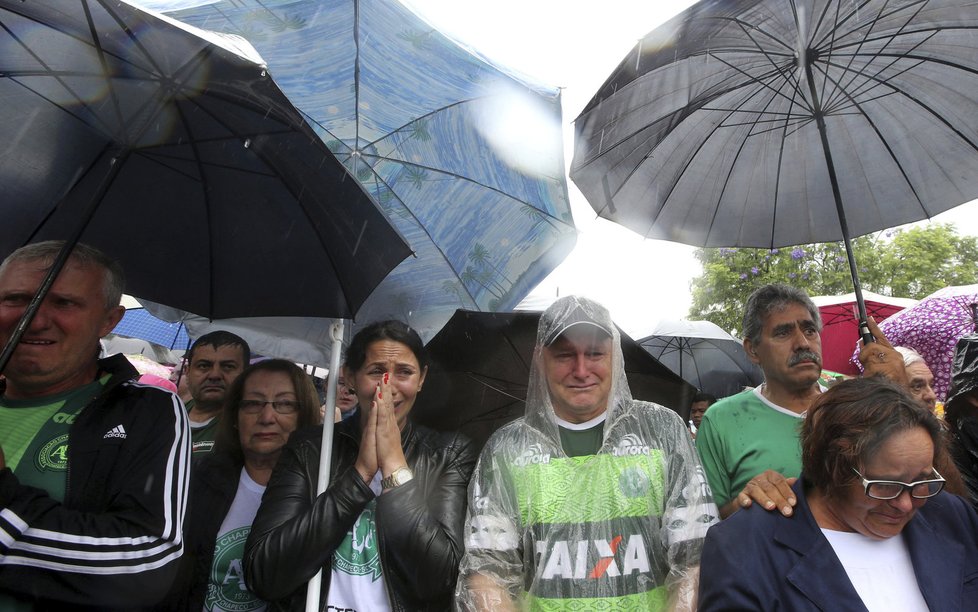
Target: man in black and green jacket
94,466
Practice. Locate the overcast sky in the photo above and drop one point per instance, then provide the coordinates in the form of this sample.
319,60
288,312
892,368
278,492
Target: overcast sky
574,45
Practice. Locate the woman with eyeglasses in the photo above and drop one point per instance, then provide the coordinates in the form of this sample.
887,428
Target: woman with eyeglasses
264,406
387,532
872,529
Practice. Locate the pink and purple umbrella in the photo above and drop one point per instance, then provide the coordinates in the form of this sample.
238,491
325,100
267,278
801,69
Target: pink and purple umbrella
933,327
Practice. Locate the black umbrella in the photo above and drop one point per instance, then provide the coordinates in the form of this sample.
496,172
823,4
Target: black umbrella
764,123
481,366
704,355
173,151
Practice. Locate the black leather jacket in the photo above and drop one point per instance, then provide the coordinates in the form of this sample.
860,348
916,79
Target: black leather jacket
419,524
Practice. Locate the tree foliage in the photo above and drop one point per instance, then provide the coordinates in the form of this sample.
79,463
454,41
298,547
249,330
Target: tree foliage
903,263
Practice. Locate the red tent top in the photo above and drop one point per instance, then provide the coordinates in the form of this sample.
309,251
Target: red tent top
840,331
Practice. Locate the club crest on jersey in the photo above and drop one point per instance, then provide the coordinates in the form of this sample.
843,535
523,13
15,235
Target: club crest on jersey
359,553
53,454
634,482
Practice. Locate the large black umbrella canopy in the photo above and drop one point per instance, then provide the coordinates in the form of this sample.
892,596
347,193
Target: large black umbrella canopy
481,366
704,355
767,123
207,184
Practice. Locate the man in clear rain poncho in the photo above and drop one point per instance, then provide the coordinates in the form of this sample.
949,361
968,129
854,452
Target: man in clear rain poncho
592,500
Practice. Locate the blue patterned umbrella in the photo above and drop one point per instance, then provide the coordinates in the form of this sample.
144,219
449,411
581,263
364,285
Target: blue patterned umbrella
437,134
140,323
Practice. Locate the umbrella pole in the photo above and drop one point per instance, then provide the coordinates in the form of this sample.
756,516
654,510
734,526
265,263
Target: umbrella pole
116,163
820,122
336,335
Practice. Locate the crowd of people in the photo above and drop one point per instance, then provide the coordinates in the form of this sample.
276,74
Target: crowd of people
117,494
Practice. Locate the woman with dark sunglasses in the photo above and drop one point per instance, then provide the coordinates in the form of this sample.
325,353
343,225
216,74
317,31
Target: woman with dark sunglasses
872,528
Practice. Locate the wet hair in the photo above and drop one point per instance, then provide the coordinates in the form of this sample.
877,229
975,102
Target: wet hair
848,424
228,440
704,397
48,250
220,338
774,298
396,331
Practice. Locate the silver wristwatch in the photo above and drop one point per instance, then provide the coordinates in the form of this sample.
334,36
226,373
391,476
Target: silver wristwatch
397,478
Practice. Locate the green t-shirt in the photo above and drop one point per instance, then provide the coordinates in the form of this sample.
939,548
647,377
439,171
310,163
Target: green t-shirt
582,442
202,435
34,436
743,435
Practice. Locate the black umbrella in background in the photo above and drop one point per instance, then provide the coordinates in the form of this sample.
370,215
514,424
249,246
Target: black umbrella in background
481,366
180,157
765,123
704,355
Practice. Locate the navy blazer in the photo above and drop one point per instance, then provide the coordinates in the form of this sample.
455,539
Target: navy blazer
760,560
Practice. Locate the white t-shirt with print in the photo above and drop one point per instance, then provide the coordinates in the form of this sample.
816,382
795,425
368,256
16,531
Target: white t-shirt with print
226,589
357,582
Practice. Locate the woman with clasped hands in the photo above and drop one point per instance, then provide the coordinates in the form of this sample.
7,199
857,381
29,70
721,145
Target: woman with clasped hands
387,530
873,529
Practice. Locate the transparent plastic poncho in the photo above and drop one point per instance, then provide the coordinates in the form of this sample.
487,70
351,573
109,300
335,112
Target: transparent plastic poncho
622,529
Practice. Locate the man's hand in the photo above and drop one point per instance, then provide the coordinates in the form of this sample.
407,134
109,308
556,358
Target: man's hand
881,359
683,596
769,489
486,595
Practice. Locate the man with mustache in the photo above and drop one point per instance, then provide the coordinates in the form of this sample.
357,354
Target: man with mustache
748,442
214,361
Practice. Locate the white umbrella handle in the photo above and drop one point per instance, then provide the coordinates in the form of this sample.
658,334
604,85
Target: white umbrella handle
336,333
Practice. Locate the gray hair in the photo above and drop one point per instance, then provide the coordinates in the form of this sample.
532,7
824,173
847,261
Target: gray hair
910,356
773,298
47,251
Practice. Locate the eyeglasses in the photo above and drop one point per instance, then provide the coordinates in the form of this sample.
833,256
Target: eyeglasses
281,406
892,489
